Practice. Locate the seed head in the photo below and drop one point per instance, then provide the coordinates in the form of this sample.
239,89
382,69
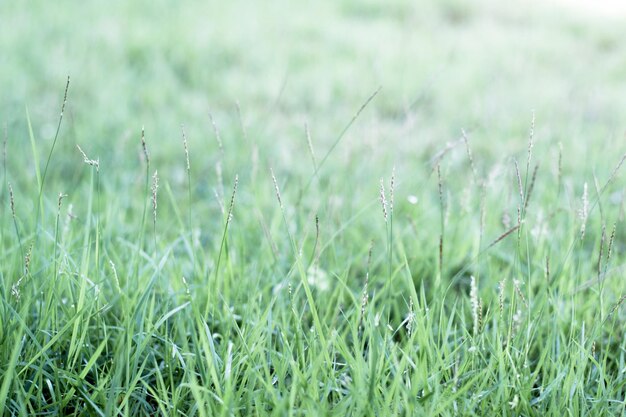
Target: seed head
280,201
217,134
391,188
475,304
383,198
584,211
155,188
12,200
91,162
146,155
61,197
501,289
232,200
182,127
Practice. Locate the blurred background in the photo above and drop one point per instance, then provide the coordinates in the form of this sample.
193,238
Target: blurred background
441,66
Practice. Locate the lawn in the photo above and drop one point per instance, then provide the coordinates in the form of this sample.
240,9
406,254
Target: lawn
335,208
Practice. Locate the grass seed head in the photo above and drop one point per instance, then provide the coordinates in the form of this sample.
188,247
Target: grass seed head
12,200
520,187
383,198
469,154
531,137
61,197
216,131
232,200
67,87
601,251
277,190
501,289
27,260
117,280
155,188
410,319
182,128
391,189
310,145
91,162
187,291
474,300
144,147
518,290
584,211
610,248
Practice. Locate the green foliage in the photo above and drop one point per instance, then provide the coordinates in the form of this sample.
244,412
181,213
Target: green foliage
261,276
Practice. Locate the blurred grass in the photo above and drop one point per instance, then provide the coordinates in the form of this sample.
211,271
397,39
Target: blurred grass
444,65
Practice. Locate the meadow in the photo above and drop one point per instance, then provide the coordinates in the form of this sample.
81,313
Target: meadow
340,208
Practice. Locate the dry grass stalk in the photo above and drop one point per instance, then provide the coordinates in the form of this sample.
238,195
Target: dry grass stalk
615,307
146,155
501,288
277,190
475,302
219,201
440,187
441,254
187,291
67,87
220,176
182,128
503,236
383,198
520,189
436,159
232,201
241,122
155,188
310,145
615,171
529,192
61,197
518,290
480,314
365,294
15,288
469,155
392,186
602,238
611,239
27,260
115,276
442,208
290,291
531,136
216,131
584,211
91,162
315,254
410,319
12,200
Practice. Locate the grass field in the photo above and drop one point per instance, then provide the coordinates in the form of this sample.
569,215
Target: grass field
340,208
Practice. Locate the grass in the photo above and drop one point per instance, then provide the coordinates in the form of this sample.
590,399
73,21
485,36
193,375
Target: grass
370,210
